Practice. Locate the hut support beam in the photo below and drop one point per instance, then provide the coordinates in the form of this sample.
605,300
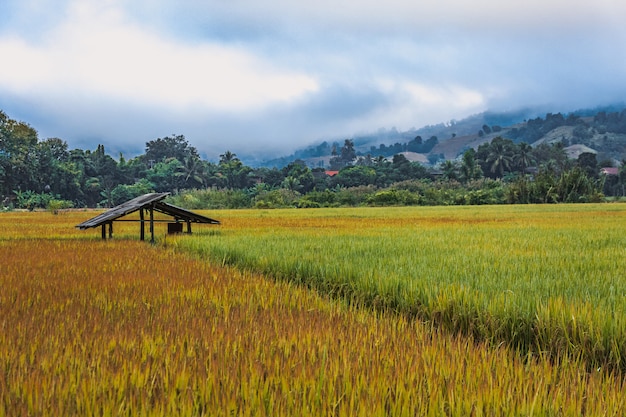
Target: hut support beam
142,230
151,223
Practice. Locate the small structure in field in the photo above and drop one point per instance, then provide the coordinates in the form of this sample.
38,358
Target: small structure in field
146,204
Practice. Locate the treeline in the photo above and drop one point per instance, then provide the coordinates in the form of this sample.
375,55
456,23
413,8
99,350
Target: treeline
46,174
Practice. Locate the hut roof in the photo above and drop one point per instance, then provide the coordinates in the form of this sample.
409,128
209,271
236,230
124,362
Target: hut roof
144,202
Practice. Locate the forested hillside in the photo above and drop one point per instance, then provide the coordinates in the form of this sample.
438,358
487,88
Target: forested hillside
543,160
602,129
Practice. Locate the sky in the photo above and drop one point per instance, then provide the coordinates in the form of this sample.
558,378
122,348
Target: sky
267,77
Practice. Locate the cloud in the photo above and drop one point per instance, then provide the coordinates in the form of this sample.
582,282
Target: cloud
269,76
413,16
96,52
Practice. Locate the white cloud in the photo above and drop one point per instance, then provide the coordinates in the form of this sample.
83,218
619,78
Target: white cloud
97,52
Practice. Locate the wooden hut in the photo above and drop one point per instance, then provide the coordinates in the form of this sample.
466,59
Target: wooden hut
146,204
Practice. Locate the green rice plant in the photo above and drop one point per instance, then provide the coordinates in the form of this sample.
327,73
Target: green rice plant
540,278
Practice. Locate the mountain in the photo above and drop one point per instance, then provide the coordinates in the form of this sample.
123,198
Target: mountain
601,129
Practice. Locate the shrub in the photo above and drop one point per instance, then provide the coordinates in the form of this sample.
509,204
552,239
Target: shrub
55,205
394,198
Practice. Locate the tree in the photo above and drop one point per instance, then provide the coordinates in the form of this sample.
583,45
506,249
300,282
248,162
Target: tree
622,177
192,172
523,156
233,172
124,192
165,175
346,156
430,144
365,160
292,184
450,170
575,186
175,146
415,145
272,177
56,173
354,176
470,170
18,164
551,157
228,157
103,165
55,148
302,173
500,158
589,164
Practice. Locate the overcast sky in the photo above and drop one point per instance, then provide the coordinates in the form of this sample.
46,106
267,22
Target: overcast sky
274,75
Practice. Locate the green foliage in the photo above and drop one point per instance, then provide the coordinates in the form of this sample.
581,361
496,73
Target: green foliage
314,199
123,192
164,175
93,178
355,196
280,198
55,205
31,200
572,186
212,199
354,176
346,156
394,197
177,147
232,173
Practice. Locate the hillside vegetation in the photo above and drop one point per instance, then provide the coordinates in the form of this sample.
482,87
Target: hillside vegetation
602,129
547,160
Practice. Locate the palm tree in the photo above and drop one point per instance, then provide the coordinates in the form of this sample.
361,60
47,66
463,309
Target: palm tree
499,157
470,170
227,157
193,170
523,156
450,170
233,170
291,184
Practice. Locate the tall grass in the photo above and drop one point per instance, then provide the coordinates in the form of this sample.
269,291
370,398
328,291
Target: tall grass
543,279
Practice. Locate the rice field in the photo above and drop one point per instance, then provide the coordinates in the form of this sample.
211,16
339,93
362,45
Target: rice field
121,327
543,279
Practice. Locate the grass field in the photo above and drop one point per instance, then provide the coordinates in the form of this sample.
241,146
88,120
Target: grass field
125,328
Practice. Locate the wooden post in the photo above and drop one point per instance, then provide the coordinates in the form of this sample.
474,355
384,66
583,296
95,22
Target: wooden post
110,230
152,223
142,230
104,231
189,226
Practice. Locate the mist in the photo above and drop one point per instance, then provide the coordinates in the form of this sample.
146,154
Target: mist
275,76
